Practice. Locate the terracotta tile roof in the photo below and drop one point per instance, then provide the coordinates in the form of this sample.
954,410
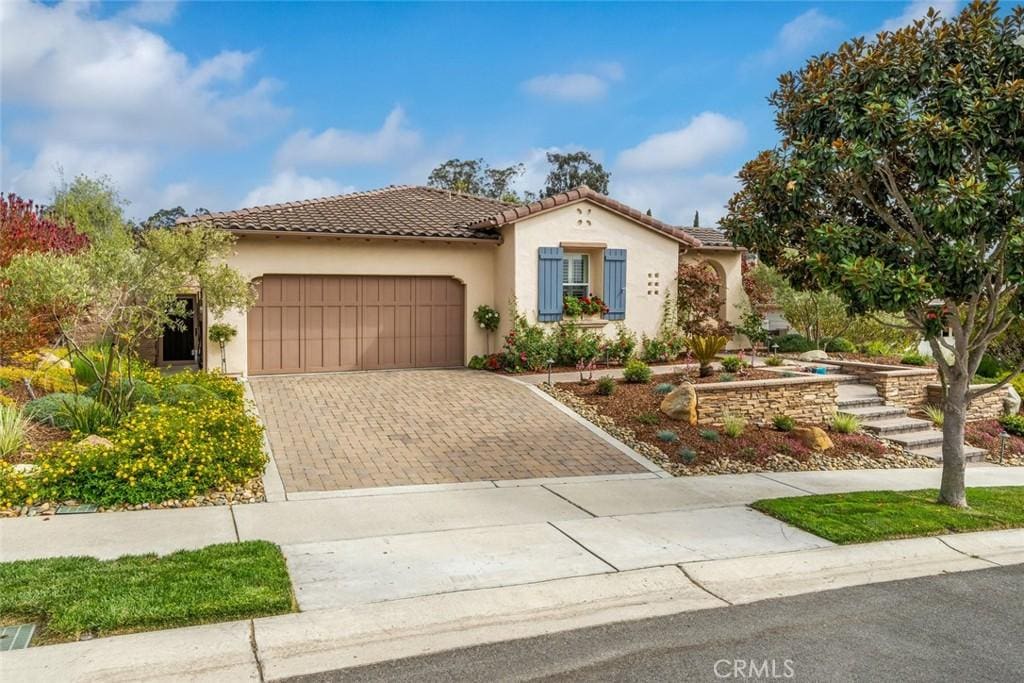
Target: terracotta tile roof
414,211
401,211
710,237
512,214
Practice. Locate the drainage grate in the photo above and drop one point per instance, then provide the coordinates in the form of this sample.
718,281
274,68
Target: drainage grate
75,509
16,637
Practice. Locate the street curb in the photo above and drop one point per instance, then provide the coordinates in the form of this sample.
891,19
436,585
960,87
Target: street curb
342,638
273,484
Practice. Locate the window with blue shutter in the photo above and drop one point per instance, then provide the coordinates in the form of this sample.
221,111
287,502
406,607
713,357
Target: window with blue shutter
615,283
549,284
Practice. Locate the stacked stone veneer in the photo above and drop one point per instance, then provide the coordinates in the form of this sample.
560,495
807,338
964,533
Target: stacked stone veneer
897,385
987,407
805,399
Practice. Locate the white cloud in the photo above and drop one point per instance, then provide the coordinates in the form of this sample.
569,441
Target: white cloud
576,87
917,10
289,186
334,147
799,35
706,136
673,198
150,11
108,81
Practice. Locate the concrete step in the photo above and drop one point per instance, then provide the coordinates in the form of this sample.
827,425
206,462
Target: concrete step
876,412
896,425
935,453
922,439
860,402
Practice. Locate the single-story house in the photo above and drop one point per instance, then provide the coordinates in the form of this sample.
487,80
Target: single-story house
390,278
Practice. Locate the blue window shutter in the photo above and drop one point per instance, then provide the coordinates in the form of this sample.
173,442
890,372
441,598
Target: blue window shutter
549,284
615,283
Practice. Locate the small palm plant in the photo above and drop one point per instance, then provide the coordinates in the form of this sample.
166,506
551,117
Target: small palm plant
935,414
705,349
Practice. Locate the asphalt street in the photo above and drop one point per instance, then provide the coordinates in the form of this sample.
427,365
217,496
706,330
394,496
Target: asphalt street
957,627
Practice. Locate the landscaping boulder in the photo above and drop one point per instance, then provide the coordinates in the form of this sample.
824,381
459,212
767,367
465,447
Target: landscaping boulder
813,355
1011,402
814,438
681,403
93,440
48,360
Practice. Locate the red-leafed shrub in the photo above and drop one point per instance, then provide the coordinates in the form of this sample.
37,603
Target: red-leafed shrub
23,231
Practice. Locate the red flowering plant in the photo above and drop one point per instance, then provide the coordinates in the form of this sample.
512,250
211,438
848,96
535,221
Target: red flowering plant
575,306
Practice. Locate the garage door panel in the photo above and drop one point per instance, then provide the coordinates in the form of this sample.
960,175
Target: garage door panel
318,323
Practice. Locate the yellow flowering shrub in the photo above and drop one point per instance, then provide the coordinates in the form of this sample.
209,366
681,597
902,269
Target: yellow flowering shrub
14,487
48,379
159,452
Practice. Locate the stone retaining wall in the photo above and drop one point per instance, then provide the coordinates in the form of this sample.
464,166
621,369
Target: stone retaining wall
897,384
805,399
988,407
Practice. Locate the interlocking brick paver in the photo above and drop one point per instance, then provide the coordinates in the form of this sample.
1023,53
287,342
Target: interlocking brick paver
355,430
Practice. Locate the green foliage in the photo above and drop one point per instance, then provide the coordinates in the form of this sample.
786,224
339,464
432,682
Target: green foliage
887,330
572,344
733,426
13,428
709,435
620,349
793,343
705,348
727,377
73,596
653,350
663,388
896,184
914,358
1013,424
526,346
935,414
784,423
487,318
221,333
990,367
57,408
133,391
732,363
686,455
570,170
774,361
160,452
876,348
647,418
637,372
606,386
84,416
478,362
667,436
838,345
214,384
474,176
844,423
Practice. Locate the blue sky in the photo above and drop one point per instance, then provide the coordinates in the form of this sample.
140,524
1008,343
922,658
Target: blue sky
225,105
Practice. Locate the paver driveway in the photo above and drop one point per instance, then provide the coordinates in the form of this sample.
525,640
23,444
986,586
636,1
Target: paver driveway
354,430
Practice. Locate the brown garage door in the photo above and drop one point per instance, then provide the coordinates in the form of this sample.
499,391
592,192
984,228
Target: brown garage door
322,323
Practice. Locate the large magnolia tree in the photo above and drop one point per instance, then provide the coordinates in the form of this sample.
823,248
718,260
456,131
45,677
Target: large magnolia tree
898,186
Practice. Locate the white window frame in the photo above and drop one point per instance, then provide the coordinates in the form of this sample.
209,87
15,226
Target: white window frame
575,288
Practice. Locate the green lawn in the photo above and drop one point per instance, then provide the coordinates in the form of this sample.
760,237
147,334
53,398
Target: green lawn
879,515
72,595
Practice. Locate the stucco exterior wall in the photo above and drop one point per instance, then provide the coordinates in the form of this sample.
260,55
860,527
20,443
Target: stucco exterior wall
651,259
472,264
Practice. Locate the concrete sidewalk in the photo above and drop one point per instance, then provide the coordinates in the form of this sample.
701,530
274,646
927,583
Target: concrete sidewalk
343,637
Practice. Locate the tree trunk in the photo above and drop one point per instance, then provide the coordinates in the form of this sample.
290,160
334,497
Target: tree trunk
954,417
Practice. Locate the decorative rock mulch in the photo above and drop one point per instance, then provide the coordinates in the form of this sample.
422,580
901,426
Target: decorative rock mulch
251,492
776,463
